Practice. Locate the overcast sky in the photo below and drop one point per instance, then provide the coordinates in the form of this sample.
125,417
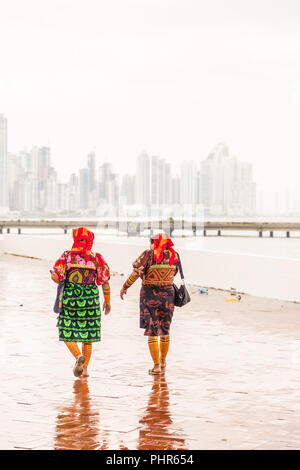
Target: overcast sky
173,77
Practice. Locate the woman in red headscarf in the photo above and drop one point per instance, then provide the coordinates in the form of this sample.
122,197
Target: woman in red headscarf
157,268
80,318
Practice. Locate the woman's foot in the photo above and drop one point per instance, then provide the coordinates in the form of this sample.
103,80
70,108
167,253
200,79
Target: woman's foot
85,372
78,368
156,370
163,363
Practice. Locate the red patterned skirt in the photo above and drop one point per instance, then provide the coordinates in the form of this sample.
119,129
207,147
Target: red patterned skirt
156,309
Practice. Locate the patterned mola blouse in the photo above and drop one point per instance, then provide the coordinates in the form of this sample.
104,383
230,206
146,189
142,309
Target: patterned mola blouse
152,273
80,270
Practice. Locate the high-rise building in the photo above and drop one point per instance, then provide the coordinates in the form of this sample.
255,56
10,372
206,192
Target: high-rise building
14,172
221,184
176,196
225,185
105,176
113,191
161,181
167,184
155,169
158,180
143,179
41,159
84,188
153,181
128,189
51,191
63,197
4,192
73,193
188,183
91,164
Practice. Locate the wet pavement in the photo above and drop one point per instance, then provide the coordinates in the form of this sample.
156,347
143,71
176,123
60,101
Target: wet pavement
232,380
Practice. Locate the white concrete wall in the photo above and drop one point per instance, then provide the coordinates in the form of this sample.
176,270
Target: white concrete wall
257,275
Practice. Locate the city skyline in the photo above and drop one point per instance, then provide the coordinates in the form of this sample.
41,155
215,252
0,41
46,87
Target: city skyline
220,185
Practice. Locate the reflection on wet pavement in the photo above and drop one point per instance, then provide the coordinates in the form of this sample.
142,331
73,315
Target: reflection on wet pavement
77,423
156,423
232,380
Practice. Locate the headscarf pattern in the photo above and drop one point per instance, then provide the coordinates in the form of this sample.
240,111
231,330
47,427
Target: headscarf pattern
83,241
162,241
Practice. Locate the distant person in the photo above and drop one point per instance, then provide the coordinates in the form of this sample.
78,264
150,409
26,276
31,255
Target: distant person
157,268
80,318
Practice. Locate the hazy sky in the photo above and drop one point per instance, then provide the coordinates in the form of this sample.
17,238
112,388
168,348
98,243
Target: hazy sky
173,77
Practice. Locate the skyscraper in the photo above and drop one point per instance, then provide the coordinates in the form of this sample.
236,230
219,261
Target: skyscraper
155,179
128,189
83,188
42,157
91,164
167,184
73,190
160,186
105,176
226,184
175,196
188,182
143,179
4,208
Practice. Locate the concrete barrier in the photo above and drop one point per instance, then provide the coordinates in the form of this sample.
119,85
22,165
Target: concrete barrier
257,275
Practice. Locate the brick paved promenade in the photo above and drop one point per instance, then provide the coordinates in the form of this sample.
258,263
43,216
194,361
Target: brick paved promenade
232,380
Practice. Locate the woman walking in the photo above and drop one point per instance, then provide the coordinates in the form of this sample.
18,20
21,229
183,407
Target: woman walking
157,268
80,318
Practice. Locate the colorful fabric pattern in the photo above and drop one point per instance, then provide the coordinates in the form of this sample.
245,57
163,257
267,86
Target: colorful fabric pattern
151,272
82,270
160,275
131,279
106,293
156,309
80,319
82,275
163,242
83,241
141,264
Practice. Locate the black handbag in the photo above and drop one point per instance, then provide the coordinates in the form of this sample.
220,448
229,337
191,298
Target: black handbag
182,297
60,291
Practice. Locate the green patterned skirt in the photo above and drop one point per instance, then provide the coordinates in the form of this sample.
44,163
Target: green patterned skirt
80,318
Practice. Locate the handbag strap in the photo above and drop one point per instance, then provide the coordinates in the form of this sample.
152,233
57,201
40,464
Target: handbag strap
180,268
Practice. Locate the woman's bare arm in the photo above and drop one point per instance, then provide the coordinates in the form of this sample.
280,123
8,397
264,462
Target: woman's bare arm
106,293
130,280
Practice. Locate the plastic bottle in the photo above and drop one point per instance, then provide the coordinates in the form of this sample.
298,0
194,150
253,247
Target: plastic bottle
203,290
233,298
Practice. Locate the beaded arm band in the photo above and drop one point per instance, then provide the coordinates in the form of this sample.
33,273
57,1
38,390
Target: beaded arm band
106,293
131,279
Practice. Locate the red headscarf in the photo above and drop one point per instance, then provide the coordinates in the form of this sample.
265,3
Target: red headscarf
162,241
83,241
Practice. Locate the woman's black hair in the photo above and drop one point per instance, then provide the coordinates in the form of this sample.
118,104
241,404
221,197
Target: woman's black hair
151,240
